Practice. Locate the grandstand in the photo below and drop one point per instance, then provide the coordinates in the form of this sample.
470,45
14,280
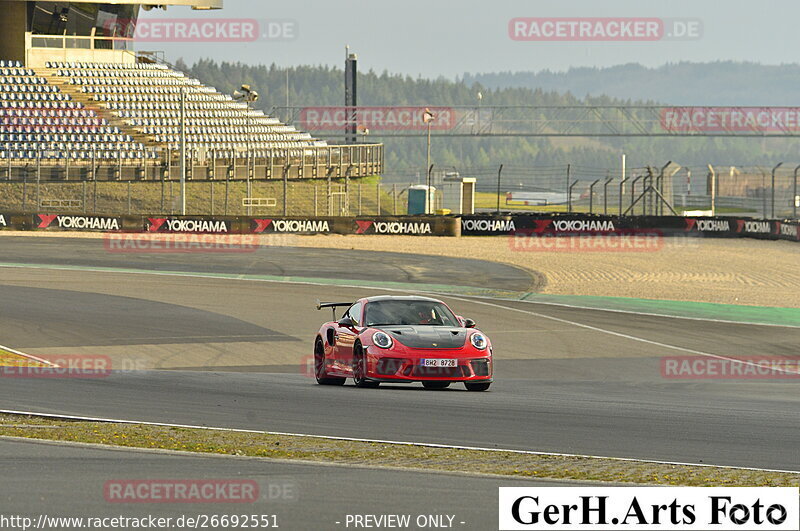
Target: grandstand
73,93
40,121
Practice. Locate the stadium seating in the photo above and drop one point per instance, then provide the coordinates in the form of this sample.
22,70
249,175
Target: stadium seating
39,122
147,98
126,112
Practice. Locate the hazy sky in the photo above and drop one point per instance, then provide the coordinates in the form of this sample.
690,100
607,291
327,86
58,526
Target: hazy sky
435,37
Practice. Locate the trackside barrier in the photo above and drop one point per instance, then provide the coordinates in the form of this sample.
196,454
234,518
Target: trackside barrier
394,225
576,224
402,225
406,225
788,230
476,225
81,222
12,221
192,224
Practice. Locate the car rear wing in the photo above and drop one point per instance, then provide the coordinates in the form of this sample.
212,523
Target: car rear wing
332,306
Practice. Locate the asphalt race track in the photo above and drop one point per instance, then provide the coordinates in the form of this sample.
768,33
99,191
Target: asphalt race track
236,351
232,353
296,494
278,261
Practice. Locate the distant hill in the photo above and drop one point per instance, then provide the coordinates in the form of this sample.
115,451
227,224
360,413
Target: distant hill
690,83
718,83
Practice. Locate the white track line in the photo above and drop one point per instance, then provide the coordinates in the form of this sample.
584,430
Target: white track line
465,298
29,356
448,295
410,289
631,312
380,441
619,334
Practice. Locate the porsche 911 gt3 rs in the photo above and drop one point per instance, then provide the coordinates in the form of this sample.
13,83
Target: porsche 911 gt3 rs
400,339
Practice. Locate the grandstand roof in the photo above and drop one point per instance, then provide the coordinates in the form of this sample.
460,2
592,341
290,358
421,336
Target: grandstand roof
195,4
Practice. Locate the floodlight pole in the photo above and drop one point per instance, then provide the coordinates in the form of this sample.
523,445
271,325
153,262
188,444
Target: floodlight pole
183,152
605,194
428,166
794,194
249,162
591,196
499,173
621,193
713,175
772,198
428,205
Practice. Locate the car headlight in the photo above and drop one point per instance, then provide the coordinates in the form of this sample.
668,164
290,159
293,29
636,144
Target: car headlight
478,341
382,339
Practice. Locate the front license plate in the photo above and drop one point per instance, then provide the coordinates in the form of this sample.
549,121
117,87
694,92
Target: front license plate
439,363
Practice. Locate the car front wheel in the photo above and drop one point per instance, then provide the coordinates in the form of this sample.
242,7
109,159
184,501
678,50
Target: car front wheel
477,386
319,366
360,368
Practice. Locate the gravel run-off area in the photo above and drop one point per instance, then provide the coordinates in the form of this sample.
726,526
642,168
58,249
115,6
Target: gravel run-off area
732,271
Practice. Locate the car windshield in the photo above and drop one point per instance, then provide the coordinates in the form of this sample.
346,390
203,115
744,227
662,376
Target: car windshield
409,312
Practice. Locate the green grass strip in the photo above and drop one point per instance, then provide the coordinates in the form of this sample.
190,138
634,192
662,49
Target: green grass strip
404,456
701,310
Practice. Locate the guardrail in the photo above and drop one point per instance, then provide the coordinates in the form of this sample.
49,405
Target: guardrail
581,224
389,225
502,225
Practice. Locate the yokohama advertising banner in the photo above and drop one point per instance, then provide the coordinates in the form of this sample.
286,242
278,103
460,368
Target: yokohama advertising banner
188,224
406,226
291,225
786,230
77,222
540,224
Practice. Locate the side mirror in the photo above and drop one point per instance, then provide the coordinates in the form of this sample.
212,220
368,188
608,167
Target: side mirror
469,323
346,322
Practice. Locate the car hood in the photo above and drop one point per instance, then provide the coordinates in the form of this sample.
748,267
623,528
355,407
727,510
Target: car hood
427,336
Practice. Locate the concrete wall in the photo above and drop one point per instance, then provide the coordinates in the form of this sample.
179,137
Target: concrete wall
12,30
37,57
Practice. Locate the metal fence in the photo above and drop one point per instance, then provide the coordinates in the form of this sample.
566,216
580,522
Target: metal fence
767,192
669,189
345,197
51,163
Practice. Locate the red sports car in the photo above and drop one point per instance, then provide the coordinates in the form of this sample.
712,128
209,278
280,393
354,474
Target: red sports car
401,339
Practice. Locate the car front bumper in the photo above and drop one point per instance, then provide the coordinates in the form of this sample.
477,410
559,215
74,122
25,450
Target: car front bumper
408,367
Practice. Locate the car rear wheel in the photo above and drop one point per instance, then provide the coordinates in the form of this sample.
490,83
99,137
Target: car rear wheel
319,366
477,386
435,385
360,368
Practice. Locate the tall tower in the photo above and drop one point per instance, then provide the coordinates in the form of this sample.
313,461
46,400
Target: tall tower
351,95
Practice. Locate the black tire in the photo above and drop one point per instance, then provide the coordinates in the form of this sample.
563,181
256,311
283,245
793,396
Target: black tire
359,369
477,386
319,366
435,385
